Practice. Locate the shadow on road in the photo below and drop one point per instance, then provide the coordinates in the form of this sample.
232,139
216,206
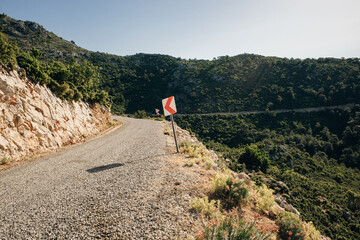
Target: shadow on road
104,167
115,165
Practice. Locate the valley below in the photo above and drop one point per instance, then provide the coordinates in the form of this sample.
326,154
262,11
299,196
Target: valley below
282,137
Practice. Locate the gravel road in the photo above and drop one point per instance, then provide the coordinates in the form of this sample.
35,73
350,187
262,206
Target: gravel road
113,187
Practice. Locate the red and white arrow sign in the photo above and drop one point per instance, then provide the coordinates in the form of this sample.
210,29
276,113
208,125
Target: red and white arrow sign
169,106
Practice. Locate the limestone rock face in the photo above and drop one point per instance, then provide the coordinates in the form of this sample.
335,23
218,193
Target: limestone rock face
34,120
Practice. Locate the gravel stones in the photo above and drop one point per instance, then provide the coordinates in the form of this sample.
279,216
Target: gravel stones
119,186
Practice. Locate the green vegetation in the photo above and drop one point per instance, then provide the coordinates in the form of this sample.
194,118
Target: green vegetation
316,155
199,153
254,158
232,228
290,227
221,216
231,192
265,202
225,84
140,114
4,161
8,52
71,82
207,208
228,84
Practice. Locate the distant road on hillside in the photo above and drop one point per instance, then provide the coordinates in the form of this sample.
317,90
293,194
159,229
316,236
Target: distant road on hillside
312,109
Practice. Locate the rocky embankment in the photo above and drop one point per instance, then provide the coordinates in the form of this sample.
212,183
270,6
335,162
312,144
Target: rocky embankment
33,120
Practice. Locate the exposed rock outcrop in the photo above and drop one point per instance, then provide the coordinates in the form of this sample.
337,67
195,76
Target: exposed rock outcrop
34,120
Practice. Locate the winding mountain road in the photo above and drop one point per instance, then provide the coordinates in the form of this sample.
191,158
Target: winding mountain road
310,109
112,187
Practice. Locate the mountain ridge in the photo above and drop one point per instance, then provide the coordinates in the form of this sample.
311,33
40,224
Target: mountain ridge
238,83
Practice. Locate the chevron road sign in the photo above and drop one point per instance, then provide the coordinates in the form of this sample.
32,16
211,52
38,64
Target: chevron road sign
169,106
170,109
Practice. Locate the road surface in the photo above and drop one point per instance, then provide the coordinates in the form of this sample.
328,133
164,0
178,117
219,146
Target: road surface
110,187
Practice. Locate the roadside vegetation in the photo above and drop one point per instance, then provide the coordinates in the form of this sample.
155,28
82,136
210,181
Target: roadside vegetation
224,212
314,155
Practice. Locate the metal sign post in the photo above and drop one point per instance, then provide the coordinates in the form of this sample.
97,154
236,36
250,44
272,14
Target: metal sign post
172,123
170,109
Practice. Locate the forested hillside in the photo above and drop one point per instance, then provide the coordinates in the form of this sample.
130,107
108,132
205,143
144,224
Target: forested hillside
316,155
228,84
78,80
243,82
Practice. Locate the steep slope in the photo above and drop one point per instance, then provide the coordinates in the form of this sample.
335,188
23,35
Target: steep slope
34,120
311,158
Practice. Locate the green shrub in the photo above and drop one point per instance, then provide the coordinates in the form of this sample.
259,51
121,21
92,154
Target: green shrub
194,151
229,191
77,95
254,158
310,232
290,227
8,52
34,69
140,114
4,161
62,90
206,207
103,99
218,183
231,227
265,201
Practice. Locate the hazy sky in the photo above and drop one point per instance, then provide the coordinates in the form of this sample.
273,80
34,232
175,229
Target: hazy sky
201,29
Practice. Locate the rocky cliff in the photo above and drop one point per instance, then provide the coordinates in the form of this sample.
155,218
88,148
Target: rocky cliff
33,120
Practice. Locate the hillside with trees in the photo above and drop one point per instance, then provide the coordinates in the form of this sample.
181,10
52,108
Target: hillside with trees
73,81
315,154
229,84
224,84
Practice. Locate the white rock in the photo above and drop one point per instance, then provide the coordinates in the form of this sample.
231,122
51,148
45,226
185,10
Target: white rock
34,120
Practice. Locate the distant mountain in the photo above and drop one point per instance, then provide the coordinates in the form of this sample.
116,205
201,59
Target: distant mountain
29,34
228,84
243,82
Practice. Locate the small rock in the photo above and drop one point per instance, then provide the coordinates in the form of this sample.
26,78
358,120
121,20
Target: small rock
18,121
244,176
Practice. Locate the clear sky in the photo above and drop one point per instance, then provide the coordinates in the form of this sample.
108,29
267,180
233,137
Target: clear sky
201,29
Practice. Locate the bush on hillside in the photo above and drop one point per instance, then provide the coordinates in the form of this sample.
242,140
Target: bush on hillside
290,227
231,227
254,158
34,69
140,114
231,192
8,52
